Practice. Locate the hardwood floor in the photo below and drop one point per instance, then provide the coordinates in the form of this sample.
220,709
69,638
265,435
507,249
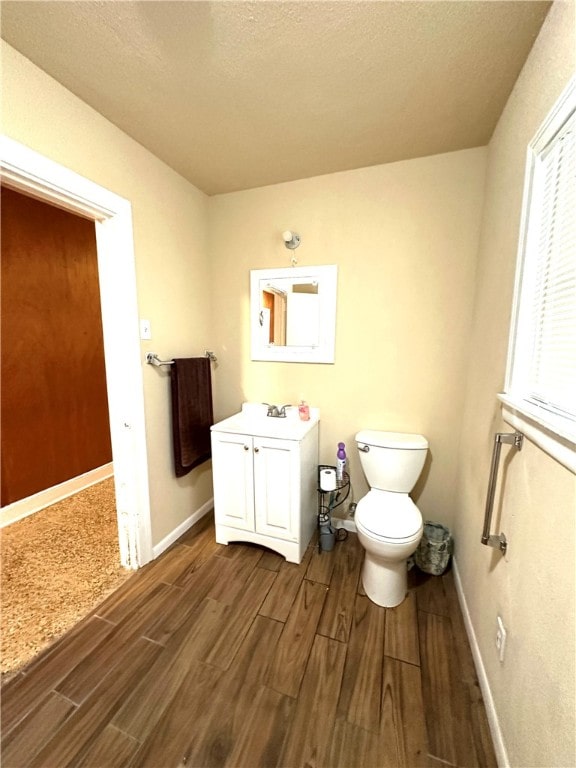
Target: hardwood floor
229,656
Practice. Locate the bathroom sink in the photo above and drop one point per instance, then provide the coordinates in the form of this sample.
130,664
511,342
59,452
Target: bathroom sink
252,420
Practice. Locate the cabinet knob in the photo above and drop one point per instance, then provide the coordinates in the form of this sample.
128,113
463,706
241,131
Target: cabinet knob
246,448
256,450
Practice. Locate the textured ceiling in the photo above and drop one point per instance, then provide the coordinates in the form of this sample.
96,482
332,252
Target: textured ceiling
240,94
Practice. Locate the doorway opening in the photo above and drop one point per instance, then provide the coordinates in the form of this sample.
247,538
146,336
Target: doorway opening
60,550
26,171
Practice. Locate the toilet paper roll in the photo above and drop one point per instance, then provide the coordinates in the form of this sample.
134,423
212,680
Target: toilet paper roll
328,480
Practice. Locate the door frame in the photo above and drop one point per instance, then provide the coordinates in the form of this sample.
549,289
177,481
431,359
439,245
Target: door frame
27,171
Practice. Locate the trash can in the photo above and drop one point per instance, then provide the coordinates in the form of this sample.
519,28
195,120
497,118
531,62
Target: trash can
327,538
435,548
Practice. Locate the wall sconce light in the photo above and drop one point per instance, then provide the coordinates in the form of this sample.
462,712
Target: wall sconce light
291,239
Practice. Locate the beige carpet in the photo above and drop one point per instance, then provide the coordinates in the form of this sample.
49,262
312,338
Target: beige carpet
57,565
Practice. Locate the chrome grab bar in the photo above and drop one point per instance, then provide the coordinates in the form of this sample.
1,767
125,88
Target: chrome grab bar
492,540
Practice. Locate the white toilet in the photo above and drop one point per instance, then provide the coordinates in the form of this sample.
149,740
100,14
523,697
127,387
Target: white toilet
388,522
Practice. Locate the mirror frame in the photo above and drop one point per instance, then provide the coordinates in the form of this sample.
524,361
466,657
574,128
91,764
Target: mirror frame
323,352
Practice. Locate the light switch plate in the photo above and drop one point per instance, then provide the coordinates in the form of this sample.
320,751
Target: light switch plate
145,330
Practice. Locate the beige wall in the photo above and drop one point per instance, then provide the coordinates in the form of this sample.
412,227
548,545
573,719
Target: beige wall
532,588
404,237
170,248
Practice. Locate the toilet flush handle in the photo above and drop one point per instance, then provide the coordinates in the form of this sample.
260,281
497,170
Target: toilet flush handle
364,448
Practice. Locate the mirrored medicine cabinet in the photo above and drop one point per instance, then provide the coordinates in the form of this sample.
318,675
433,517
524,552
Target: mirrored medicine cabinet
293,314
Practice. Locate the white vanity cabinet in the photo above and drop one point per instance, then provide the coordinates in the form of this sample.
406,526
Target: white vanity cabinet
265,486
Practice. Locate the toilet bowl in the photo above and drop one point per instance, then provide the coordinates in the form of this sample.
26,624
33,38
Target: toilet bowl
389,527
388,523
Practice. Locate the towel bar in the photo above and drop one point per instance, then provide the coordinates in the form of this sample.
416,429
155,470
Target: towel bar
492,540
153,359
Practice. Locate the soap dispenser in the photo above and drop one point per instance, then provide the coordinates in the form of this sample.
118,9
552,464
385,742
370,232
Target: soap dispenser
340,461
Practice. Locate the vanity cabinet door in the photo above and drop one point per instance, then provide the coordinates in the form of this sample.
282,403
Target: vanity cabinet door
233,472
277,487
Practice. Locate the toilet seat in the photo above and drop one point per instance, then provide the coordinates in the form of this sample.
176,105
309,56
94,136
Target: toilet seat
388,516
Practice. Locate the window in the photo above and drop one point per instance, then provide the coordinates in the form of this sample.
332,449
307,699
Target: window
540,397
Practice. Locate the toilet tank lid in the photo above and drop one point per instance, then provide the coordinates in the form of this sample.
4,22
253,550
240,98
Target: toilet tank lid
404,440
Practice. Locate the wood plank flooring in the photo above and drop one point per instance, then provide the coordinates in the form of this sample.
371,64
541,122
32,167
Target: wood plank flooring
216,656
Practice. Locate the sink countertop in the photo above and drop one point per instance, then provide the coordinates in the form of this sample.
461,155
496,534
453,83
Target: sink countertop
252,420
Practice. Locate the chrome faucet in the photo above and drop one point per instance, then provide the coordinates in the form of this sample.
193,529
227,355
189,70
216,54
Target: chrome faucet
275,411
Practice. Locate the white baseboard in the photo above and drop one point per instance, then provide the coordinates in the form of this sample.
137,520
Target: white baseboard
495,730
182,528
24,507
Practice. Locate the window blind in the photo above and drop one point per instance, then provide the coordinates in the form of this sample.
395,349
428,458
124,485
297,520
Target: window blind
547,332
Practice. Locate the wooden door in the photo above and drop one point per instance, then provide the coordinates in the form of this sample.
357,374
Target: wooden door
54,404
268,303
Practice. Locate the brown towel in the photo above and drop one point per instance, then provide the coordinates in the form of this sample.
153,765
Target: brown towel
191,412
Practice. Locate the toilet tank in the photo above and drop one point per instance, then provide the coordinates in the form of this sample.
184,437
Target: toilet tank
393,461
